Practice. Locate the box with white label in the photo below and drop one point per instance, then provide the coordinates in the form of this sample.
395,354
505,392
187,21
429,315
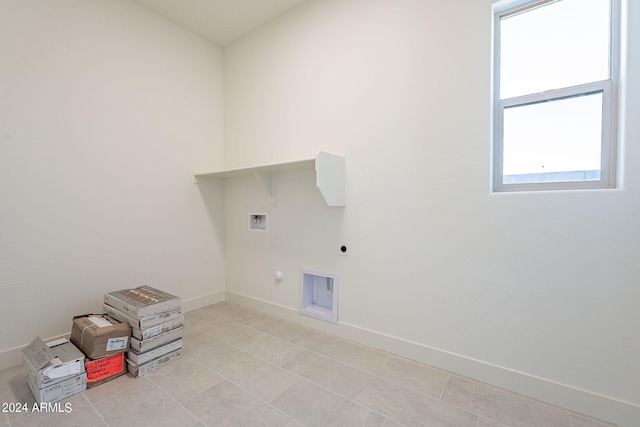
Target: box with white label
52,362
143,369
152,331
142,301
143,322
99,335
147,356
145,345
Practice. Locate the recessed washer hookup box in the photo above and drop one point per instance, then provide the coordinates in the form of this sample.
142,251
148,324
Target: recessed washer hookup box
52,362
99,335
142,301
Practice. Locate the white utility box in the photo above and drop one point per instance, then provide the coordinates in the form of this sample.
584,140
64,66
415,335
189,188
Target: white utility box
319,295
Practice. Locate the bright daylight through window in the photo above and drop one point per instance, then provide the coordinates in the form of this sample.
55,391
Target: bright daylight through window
555,95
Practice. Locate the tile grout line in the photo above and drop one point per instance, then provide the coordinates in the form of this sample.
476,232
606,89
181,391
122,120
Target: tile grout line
299,376
302,348
355,400
179,403
365,388
550,406
95,409
325,356
146,381
225,378
364,348
350,364
444,388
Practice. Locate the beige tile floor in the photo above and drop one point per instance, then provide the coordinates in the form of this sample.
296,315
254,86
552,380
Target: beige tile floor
243,368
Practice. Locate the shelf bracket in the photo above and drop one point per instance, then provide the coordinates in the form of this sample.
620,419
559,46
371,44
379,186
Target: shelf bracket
330,175
267,181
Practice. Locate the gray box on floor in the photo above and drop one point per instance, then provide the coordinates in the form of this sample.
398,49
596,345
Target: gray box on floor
147,356
58,391
143,369
142,346
52,362
144,322
146,333
142,301
55,370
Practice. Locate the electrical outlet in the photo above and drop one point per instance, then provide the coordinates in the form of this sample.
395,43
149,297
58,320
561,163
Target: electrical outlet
344,249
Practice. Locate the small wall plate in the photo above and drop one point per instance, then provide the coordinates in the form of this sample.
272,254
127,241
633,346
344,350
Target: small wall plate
344,249
258,221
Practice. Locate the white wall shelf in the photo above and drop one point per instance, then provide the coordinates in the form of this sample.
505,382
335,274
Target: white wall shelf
330,174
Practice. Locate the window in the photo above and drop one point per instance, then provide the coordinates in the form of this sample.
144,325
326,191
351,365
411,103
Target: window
555,95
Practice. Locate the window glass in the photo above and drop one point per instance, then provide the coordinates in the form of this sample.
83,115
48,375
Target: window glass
554,45
553,141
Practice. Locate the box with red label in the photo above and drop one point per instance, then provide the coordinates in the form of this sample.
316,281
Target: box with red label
99,335
104,369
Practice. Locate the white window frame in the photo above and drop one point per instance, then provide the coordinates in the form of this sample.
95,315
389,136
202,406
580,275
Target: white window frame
609,89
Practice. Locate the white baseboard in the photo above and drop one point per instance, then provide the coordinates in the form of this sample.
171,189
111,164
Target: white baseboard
202,301
581,401
13,357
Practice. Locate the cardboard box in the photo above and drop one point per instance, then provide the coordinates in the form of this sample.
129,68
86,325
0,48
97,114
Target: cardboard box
144,322
52,362
152,331
145,345
58,391
99,335
107,379
104,369
142,301
143,369
147,356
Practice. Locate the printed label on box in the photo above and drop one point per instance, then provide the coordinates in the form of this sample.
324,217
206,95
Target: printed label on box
100,322
62,370
105,367
152,332
119,343
55,392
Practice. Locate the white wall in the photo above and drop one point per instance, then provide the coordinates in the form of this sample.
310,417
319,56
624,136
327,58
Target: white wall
106,110
541,286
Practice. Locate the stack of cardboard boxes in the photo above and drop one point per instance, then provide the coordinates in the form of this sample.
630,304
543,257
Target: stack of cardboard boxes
157,326
104,341
144,323
60,368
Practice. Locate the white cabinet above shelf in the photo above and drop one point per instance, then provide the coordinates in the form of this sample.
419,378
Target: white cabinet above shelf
329,168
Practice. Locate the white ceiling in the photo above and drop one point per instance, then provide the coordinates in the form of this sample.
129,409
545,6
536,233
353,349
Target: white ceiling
220,21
